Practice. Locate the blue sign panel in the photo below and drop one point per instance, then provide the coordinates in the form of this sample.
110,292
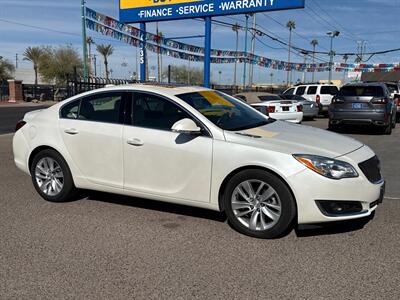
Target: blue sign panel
135,11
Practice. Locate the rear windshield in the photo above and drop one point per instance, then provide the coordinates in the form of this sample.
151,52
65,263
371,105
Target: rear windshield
269,98
360,91
329,90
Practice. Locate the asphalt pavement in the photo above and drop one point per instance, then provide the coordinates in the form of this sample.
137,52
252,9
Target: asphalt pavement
114,247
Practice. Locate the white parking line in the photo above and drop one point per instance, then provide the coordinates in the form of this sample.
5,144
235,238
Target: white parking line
392,198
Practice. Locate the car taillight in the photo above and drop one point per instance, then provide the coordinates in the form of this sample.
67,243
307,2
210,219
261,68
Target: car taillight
271,109
318,99
299,108
19,125
380,101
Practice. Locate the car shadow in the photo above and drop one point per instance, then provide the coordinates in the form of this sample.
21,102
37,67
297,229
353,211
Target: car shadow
157,206
332,228
360,130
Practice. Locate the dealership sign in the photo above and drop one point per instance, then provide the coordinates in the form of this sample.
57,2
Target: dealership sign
134,11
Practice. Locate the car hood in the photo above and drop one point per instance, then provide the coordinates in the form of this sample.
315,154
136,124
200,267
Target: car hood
290,138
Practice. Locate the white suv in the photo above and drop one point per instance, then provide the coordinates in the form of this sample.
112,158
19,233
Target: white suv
322,94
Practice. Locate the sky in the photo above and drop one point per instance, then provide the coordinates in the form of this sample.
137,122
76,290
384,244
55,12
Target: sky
26,23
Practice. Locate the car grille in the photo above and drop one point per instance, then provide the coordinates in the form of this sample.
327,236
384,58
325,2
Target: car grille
371,169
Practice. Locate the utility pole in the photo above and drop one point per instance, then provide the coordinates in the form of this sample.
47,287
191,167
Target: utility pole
253,46
16,60
83,15
245,51
158,54
332,35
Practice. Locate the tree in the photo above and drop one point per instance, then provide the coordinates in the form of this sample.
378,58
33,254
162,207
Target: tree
6,69
59,64
314,43
291,25
105,51
34,55
179,74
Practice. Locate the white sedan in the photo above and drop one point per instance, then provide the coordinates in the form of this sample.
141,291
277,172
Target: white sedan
202,148
274,106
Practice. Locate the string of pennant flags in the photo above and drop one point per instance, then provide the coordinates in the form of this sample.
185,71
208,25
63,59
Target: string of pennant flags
111,27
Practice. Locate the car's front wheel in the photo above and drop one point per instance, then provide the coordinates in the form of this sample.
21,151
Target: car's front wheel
259,204
52,177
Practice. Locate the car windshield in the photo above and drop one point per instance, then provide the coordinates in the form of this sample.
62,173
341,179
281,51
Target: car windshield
267,98
225,111
361,91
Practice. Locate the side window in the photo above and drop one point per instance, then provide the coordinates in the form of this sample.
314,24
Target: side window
101,108
312,90
70,111
301,90
150,111
289,92
241,97
329,90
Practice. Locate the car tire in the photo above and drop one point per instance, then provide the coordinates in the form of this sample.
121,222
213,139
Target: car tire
333,127
52,177
268,214
394,121
388,129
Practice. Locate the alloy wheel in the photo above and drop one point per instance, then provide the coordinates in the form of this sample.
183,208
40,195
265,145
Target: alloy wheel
256,205
49,176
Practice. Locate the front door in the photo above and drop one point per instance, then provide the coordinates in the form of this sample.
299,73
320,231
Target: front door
160,162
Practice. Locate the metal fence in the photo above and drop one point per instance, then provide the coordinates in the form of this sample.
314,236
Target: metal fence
79,85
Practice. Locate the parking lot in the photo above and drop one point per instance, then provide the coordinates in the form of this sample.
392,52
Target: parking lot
110,246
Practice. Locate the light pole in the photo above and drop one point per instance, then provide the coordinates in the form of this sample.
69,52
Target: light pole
84,48
236,29
304,78
314,43
332,34
245,51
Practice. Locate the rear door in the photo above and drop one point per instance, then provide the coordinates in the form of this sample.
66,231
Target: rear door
311,93
91,129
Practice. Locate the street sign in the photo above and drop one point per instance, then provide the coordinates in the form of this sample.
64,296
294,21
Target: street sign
136,11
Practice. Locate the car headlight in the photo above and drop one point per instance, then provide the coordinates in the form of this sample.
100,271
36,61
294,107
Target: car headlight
328,167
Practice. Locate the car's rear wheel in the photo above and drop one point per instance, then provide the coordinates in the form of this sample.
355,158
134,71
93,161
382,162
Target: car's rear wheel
259,204
52,177
388,129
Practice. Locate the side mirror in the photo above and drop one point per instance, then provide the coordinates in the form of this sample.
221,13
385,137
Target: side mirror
187,126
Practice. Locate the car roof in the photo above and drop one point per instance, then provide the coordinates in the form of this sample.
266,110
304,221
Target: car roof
256,94
159,89
380,84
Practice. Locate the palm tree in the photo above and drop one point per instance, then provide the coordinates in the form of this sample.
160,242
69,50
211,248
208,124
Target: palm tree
236,28
89,42
105,51
314,43
345,58
291,25
34,55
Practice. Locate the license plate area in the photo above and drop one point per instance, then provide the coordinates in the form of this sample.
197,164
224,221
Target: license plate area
285,108
357,105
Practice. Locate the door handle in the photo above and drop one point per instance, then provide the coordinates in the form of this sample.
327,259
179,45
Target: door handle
135,142
71,131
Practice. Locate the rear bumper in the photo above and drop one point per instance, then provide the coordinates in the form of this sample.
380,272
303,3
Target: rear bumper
361,118
294,117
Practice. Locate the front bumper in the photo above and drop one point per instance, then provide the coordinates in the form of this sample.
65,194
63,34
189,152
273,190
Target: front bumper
310,188
359,118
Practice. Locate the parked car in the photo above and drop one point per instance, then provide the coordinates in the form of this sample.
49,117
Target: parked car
198,147
394,89
310,109
274,106
363,104
322,94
